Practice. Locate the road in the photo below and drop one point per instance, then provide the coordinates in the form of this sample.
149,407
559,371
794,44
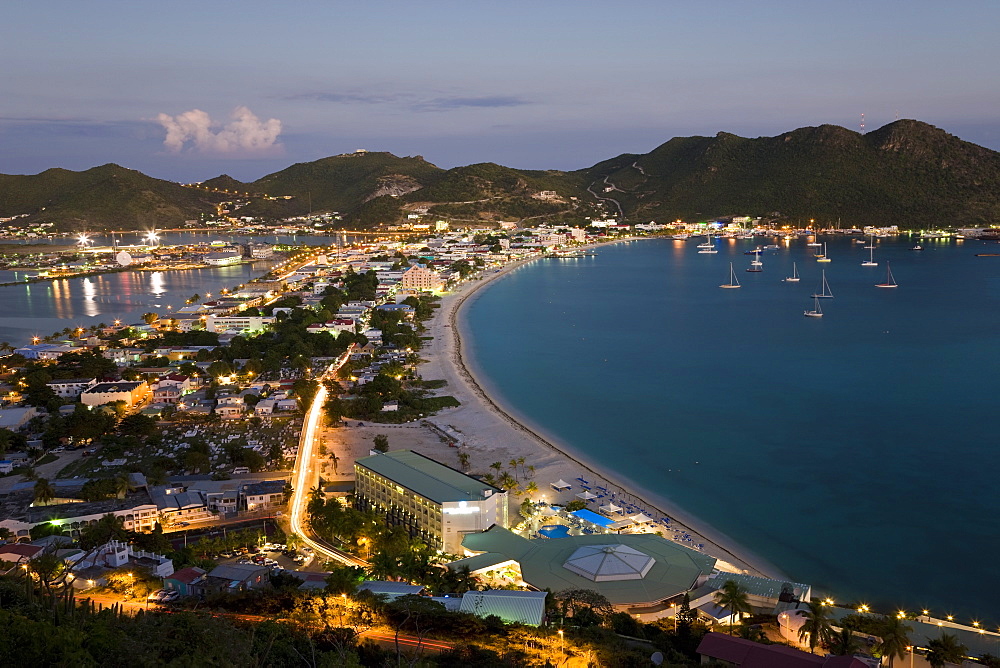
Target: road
305,474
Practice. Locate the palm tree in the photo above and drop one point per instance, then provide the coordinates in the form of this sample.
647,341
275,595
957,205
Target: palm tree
895,638
818,627
44,491
463,459
845,643
733,598
531,488
945,649
123,485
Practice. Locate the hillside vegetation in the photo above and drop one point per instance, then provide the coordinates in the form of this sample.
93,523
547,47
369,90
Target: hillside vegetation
907,173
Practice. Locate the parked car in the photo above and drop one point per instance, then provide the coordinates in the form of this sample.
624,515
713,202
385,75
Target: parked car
170,595
157,595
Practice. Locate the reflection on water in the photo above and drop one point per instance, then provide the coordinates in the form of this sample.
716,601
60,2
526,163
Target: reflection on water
42,308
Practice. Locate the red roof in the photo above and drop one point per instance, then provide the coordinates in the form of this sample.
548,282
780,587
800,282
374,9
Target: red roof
748,654
187,575
19,550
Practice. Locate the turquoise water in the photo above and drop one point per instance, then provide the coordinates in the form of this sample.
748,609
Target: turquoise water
857,451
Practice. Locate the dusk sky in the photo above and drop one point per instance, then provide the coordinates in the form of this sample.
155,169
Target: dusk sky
189,90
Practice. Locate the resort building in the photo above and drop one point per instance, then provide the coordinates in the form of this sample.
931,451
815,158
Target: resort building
637,573
131,392
433,501
224,258
239,323
420,278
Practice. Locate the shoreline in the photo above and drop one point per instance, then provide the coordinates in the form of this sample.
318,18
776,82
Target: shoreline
487,420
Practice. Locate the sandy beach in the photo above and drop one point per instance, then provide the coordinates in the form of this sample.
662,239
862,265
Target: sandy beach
489,432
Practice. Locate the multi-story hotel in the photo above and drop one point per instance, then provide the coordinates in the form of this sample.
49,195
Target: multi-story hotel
433,501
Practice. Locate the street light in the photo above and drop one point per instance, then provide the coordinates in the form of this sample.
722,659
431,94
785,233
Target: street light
562,642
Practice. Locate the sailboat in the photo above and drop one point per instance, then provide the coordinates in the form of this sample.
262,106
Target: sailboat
756,264
871,243
890,282
707,244
823,257
825,292
870,262
733,283
816,311
794,278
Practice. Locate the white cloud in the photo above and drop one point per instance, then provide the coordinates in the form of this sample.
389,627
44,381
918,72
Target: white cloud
244,133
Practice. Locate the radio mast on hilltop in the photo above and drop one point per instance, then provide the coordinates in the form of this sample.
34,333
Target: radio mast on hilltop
862,123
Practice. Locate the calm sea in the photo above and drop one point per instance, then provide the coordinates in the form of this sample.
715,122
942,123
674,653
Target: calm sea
855,451
39,309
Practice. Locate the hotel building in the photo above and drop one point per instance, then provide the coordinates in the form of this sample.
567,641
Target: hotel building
434,502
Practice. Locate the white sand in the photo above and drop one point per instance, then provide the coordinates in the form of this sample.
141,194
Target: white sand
491,432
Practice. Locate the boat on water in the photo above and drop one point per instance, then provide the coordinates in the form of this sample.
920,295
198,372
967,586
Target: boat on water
772,247
870,262
823,257
824,292
733,283
755,251
794,278
707,244
814,244
707,250
816,311
918,247
890,282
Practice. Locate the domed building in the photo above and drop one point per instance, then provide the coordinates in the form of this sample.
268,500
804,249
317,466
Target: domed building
635,572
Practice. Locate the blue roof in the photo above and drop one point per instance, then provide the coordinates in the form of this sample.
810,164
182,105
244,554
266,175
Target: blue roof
593,518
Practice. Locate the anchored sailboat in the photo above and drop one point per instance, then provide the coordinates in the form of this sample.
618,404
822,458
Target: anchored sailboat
823,257
870,262
890,282
733,283
825,292
794,278
816,311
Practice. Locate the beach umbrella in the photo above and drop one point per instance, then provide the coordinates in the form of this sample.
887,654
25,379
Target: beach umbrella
561,484
586,496
611,508
641,518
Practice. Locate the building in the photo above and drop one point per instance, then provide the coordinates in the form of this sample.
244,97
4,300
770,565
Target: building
44,351
230,578
239,323
637,573
15,418
223,258
514,607
70,388
131,392
421,278
181,580
719,649
263,494
433,501
116,554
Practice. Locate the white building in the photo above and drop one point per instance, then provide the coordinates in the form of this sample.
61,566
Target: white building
223,258
131,392
433,501
240,323
70,388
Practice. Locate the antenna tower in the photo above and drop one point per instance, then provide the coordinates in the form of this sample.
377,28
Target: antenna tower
862,123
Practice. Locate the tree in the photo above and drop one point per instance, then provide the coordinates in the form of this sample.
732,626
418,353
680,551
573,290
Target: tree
344,580
845,643
44,491
381,442
818,628
733,598
946,649
150,318
894,634
576,504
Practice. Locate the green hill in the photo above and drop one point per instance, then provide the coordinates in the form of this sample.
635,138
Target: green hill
907,173
105,197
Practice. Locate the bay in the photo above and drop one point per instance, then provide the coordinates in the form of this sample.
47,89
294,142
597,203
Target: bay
855,451
39,309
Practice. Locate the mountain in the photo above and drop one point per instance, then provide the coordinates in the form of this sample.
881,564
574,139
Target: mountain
907,173
105,197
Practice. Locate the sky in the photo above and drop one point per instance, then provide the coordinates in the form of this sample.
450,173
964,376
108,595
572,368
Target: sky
189,90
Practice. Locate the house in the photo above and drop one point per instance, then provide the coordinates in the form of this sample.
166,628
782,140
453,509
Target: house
18,553
131,392
231,577
70,388
724,650
263,494
168,394
15,418
44,351
182,580
116,554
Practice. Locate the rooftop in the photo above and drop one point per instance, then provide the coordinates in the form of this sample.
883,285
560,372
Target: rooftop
426,477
